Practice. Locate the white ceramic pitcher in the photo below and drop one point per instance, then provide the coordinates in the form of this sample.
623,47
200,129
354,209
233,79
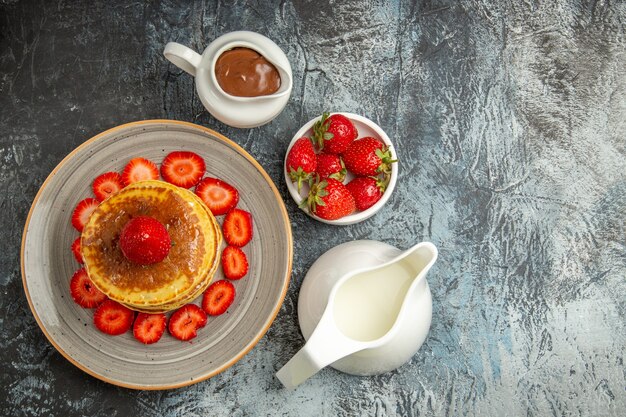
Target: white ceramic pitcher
364,308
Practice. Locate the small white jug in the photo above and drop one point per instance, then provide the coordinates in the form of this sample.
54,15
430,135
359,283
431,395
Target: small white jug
235,111
365,308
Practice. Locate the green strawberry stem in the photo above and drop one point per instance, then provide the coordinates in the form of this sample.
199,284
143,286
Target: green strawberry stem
382,183
299,176
320,133
386,160
316,193
341,174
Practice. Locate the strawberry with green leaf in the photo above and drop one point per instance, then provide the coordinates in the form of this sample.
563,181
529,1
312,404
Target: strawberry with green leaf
366,191
301,162
330,166
334,133
329,199
368,157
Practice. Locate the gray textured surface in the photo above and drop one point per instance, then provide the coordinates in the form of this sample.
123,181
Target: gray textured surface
509,119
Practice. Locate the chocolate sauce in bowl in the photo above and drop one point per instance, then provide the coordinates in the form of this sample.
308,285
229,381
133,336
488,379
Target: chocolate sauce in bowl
243,72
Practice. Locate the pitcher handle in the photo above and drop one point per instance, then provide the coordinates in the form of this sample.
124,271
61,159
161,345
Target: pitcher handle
326,345
184,58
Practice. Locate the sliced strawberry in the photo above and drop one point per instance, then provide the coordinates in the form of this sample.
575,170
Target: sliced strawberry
148,328
139,169
81,213
234,263
218,297
113,318
76,250
218,195
185,322
184,169
106,184
237,227
84,292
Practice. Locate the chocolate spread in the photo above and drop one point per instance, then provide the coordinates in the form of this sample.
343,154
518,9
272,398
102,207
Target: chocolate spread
244,72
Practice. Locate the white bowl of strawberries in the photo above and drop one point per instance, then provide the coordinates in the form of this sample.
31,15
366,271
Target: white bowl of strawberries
341,168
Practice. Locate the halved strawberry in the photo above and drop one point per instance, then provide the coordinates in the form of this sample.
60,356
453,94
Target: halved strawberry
84,292
106,184
185,322
218,297
113,318
139,169
81,213
218,195
76,250
234,263
148,328
184,169
237,227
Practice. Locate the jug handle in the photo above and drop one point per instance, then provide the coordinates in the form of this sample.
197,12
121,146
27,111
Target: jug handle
326,345
184,58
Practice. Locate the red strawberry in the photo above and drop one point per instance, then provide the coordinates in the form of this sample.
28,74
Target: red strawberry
81,213
218,195
301,161
237,227
329,199
139,169
107,184
148,328
333,134
368,156
185,322
366,191
234,262
184,169
330,166
218,297
84,292
144,240
113,318
76,250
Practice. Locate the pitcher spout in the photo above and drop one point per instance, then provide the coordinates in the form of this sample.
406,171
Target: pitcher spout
420,258
326,345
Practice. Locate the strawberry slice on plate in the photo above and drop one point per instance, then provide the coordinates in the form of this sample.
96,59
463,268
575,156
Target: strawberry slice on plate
106,184
184,169
76,250
237,227
81,213
113,318
234,263
186,321
218,195
139,169
84,292
148,328
218,297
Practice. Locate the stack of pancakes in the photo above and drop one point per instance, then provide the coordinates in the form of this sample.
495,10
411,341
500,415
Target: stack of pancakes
186,271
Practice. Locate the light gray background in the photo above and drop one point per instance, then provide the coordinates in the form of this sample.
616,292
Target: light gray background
509,119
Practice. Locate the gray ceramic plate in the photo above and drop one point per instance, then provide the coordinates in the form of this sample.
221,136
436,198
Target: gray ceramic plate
48,264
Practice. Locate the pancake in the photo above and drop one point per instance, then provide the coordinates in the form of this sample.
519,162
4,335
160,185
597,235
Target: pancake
192,295
166,285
